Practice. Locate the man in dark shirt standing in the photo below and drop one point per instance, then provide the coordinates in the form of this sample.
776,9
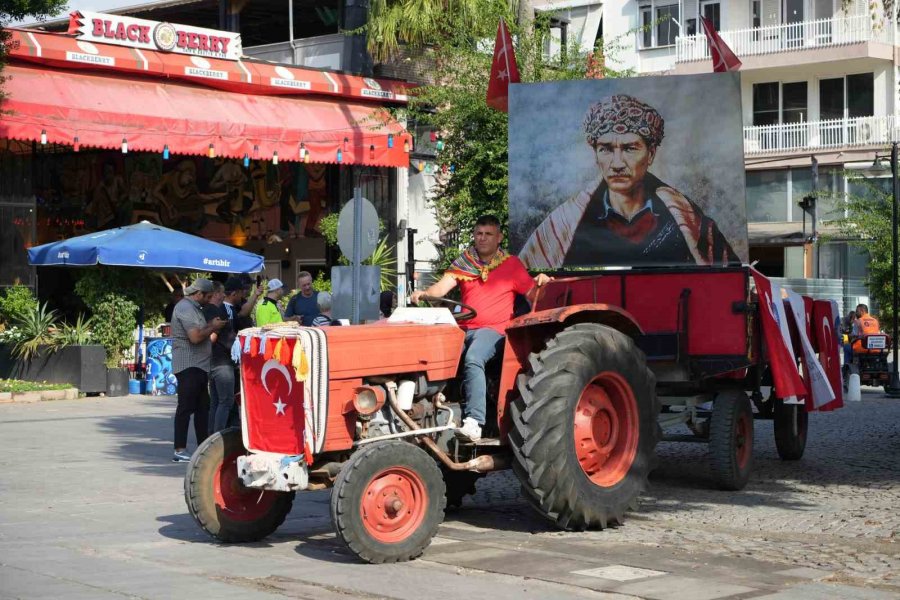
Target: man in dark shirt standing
303,307
221,370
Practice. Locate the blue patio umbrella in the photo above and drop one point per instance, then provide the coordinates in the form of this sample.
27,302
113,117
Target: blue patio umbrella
148,246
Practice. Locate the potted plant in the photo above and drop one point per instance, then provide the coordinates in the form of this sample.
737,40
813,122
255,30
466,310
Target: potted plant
41,349
114,325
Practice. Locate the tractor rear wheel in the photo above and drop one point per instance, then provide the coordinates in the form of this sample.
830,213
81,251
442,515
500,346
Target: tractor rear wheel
218,500
789,443
584,427
388,502
731,440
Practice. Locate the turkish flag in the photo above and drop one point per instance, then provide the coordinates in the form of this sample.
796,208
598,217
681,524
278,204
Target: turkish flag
503,70
825,319
723,58
777,337
272,408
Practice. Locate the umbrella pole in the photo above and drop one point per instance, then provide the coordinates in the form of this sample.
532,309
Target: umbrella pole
138,355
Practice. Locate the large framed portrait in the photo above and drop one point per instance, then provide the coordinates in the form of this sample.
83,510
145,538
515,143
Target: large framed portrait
634,172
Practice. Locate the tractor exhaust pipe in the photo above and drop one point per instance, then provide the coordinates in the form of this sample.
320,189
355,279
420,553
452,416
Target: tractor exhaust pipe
480,464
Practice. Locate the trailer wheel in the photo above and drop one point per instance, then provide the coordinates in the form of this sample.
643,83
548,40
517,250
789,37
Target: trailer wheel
731,440
219,501
584,427
388,502
790,444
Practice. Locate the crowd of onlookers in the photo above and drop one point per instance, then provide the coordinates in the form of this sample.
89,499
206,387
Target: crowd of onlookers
205,318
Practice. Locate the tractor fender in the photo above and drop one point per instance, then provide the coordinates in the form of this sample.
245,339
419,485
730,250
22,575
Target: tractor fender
604,314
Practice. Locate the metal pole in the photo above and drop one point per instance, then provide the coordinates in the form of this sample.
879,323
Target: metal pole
815,215
893,387
357,253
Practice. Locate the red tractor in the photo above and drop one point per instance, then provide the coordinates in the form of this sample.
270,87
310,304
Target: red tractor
589,379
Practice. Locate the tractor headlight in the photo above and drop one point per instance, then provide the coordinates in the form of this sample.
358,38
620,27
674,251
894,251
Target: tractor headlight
368,399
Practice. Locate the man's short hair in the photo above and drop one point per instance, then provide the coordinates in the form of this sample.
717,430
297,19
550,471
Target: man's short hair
323,301
303,274
218,287
624,114
490,220
862,306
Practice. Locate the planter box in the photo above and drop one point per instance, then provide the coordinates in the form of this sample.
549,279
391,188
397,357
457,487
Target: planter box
83,367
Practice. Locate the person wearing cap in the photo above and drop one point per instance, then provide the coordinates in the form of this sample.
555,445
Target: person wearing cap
632,218
191,355
267,312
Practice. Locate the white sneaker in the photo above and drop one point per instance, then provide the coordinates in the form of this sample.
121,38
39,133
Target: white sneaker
470,429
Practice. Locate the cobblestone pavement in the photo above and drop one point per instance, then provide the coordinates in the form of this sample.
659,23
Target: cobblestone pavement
837,510
91,507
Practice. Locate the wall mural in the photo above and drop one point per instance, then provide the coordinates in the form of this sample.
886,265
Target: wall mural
218,199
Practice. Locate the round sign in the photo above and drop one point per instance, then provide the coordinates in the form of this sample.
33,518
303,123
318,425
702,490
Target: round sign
370,232
165,36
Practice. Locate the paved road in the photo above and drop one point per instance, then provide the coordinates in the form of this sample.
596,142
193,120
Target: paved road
90,507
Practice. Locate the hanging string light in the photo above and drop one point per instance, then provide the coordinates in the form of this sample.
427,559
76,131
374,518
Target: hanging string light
166,152
246,160
255,151
372,151
76,144
124,146
212,151
340,155
302,151
406,146
439,145
43,137
390,140
346,141
275,157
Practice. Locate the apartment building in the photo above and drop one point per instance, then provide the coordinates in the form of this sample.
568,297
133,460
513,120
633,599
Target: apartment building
819,85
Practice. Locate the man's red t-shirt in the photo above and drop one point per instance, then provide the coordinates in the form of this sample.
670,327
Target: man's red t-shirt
493,299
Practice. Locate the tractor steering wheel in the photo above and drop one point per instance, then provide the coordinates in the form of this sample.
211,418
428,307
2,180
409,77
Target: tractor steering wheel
466,314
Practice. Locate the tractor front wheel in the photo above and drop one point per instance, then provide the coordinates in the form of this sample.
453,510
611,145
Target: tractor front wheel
731,440
790,441
218,500
584,427
388,502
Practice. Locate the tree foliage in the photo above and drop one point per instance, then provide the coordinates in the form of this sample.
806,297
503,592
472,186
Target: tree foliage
868,226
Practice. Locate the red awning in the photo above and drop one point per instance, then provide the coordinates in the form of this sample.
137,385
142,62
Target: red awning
103,110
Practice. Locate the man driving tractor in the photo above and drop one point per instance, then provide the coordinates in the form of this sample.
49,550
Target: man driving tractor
489,280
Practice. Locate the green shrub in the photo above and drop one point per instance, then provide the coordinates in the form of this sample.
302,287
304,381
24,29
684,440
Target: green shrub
16,301
75,334
34,331
114,323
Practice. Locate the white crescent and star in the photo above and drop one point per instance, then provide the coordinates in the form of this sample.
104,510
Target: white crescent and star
271,365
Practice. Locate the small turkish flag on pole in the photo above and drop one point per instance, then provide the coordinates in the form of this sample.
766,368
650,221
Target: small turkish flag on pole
503,70
723,58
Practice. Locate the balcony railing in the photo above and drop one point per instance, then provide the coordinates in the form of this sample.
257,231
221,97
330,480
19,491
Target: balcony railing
815,135
788,37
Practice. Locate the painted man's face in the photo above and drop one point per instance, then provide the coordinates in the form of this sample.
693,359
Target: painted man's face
623,159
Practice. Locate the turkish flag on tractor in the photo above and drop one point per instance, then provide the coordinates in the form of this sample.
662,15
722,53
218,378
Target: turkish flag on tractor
723,58
826,320
272,402
776,334
503,70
